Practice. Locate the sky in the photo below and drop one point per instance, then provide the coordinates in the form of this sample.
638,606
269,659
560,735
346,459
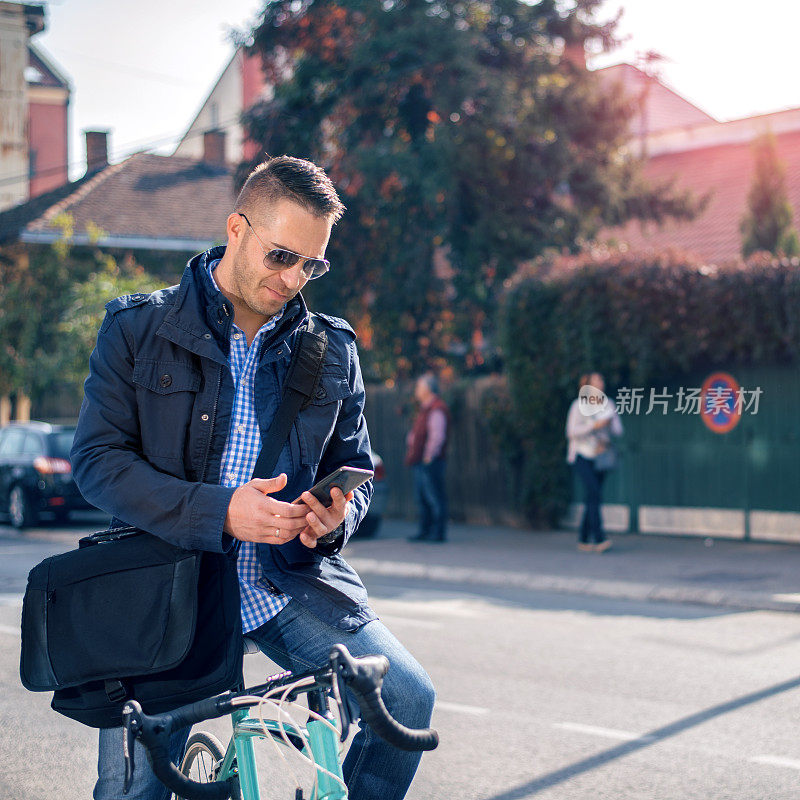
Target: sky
142,68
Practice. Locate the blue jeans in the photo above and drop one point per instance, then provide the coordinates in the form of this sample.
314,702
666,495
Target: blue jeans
431,494
592,524
296,639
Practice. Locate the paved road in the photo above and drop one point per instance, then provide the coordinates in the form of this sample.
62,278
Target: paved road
545,695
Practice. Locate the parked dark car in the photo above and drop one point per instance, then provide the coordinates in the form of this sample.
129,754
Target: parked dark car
35,473
372,521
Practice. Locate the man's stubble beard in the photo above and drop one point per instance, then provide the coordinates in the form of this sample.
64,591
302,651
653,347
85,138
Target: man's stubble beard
243,280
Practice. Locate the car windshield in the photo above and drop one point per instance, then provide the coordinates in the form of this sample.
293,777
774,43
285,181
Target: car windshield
61,442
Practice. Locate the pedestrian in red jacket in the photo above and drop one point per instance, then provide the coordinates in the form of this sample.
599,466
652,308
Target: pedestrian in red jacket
426,448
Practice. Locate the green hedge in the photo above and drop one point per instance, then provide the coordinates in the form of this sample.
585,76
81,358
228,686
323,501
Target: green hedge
638,319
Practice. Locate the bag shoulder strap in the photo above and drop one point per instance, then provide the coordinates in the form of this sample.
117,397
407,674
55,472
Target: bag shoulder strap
301,385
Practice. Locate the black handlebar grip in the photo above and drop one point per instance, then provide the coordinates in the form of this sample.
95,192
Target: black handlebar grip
200,711
377,716
182,786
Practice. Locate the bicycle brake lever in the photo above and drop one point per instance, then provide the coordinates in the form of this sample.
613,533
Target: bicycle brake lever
345,717
131,728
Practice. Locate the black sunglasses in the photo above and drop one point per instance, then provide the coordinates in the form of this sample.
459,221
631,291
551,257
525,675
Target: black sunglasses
279,258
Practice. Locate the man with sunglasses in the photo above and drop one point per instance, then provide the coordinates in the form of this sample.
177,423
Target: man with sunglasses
183,384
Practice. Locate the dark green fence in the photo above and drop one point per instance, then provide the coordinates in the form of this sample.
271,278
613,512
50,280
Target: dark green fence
678,476
480,482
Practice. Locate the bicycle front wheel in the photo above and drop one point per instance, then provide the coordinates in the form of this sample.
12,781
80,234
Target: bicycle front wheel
202,759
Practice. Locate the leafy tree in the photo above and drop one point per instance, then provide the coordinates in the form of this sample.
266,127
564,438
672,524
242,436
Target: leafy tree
85,308
32,286
767,225
465,138
51,305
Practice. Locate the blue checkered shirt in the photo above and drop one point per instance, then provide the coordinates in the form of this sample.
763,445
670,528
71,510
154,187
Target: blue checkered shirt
259,604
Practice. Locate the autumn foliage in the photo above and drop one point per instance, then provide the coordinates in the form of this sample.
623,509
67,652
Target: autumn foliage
463,141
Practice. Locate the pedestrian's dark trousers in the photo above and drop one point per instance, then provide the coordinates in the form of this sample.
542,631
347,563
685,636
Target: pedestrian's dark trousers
431,495
592,479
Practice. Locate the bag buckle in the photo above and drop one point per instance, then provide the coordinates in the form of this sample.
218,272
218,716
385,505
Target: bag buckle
115,691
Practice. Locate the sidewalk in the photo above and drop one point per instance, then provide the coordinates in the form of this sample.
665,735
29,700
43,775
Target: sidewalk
729,574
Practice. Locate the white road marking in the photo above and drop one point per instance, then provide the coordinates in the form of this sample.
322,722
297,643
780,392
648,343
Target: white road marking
9,630
606,733
394,619
428,604
9,599
459,708
777,761
790,597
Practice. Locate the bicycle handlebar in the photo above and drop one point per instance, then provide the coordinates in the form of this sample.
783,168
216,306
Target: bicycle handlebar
182,786
364,676
155,732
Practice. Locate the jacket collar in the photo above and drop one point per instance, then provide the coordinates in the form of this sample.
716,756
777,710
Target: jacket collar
201,317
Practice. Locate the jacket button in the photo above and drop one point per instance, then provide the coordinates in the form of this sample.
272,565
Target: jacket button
321,393
204,418
166,380
206,335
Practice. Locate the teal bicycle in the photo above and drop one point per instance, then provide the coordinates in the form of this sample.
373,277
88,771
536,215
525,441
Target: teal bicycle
208,773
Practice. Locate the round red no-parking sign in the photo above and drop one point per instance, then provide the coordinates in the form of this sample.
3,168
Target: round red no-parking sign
720,404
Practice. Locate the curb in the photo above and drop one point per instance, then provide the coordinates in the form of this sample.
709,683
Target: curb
618,590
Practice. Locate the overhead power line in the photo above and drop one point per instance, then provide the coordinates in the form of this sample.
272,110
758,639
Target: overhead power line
140,146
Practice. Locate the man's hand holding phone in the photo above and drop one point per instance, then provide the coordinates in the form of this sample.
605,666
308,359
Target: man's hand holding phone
321,520
254,516
323,517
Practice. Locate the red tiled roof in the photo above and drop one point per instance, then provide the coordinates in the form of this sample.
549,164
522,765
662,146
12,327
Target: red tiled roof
149,198
726,171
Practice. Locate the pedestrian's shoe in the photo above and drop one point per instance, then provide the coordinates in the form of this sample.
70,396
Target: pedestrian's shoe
603,546
420,537
585,548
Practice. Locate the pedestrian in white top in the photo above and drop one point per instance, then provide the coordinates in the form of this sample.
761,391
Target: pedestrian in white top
591,422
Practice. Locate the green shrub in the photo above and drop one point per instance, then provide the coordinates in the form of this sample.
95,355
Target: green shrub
640,319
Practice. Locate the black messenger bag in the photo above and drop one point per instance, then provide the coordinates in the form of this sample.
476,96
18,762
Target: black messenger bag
126,597
130,616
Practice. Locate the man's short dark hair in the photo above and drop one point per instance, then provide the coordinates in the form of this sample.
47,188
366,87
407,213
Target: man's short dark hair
295,179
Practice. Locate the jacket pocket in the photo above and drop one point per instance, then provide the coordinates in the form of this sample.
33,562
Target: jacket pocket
166,392
317,421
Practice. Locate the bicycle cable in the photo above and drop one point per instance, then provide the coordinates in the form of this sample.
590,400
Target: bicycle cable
280,708
292,704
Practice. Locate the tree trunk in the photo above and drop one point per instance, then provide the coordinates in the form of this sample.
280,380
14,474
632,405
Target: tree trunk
23,407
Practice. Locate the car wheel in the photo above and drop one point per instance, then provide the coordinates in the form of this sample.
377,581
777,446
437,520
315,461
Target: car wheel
20,510
369,526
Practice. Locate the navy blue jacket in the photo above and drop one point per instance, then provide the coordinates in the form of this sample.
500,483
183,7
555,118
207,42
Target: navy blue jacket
155,418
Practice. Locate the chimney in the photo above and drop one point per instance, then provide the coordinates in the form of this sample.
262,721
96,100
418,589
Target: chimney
575,54
96,150
214,148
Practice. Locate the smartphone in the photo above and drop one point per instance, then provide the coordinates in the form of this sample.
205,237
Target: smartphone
345,478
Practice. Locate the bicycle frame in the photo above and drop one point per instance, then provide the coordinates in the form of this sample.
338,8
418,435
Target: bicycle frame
239,758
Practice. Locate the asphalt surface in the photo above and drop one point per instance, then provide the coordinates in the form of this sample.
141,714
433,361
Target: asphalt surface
715,572
569,692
